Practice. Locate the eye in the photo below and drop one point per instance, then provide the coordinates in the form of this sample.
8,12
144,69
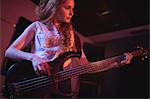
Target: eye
67,7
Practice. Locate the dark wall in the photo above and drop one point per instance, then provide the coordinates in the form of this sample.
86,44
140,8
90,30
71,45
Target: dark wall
103,16
20,26
129,81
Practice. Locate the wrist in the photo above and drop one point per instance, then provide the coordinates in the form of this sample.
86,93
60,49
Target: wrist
30,56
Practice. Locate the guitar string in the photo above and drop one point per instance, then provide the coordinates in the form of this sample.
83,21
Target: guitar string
73,71
20,86
41,77
21,83
78,67
116,58
79,71
34,85
38,85
29,83
29,80
133,53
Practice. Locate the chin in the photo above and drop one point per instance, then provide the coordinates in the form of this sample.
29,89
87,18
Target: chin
67,21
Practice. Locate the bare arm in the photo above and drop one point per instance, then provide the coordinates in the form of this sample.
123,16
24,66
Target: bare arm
14,50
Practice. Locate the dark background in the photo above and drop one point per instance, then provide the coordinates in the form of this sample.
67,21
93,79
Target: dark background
90,19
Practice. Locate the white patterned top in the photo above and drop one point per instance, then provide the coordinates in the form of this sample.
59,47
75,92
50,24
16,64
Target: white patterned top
49,43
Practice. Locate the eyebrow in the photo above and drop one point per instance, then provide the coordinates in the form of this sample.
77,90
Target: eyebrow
69,6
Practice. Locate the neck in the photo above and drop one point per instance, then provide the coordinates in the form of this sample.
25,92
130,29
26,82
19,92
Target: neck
56,23
52,22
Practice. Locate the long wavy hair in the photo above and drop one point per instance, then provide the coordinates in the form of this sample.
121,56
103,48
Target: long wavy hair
46,10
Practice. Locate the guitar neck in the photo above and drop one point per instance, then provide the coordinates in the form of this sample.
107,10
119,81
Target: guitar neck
99,66
27,85
106,64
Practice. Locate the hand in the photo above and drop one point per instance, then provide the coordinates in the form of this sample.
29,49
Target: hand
40,66
127,58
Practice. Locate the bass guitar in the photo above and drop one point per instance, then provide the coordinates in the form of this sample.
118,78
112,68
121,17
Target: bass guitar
22,81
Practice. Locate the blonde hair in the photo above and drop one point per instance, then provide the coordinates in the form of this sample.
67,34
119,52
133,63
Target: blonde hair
46,10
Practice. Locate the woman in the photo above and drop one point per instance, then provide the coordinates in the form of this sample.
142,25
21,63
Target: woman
52,36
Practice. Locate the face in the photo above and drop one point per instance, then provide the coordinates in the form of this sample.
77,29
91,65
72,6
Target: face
65,12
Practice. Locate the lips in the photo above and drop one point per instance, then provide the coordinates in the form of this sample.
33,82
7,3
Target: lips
68,18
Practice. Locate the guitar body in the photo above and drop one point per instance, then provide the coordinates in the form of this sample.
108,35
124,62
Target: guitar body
22,82
21,77
22,70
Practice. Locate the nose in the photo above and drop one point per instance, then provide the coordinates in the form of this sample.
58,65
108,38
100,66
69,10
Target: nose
71,12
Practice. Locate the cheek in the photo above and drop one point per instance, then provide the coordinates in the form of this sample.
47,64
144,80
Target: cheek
60,16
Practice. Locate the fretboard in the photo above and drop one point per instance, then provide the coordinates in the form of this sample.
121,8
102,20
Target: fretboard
42,81
99,66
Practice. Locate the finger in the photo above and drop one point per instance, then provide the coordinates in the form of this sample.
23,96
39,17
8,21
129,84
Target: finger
48,69
43,69
37,71
130,56
127,58
123,62
39,67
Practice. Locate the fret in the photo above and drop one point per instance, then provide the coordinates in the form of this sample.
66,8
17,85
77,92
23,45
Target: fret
102,65
20,86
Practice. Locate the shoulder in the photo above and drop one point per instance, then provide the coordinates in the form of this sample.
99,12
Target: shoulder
34,25
39,25
31,28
